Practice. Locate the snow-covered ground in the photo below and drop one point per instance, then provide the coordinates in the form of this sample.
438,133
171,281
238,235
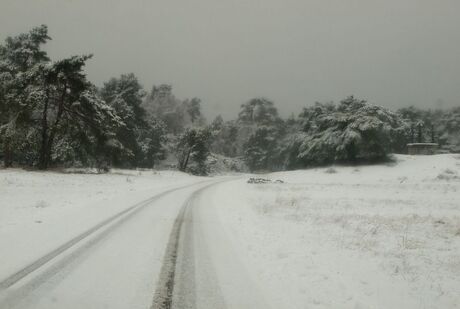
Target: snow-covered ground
382,236
385,236
41,210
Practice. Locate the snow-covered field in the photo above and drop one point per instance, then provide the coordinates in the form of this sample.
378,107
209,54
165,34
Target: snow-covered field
42,210
384,236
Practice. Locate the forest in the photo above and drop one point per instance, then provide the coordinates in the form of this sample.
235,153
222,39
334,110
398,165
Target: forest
51,116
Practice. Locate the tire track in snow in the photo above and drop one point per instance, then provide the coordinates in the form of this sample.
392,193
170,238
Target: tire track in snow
197,281
37,264
19,297
164,292
173,276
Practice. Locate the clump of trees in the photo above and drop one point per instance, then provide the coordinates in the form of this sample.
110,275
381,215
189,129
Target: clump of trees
177,115
192,150
141,139
262,127
350,131
260,149
435,126
52,115
50,111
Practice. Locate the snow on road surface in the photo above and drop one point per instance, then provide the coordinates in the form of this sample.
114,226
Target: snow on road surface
40,211
385,236
208,273
115,266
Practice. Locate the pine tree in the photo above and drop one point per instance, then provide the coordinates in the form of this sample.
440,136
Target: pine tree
260,149
193,108
21,60
193,147
163,105
125,95
351,131
152,143
259,111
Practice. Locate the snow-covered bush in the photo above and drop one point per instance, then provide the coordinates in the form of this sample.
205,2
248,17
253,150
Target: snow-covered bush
350,131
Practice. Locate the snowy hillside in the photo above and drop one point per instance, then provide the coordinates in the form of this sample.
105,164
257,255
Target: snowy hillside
383,236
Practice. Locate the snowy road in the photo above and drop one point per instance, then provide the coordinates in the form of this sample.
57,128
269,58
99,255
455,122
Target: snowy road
201,268
167,251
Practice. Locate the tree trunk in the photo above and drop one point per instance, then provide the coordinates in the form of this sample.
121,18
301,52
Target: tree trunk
48,139
43,162
7,154
420,134
412,134
184,166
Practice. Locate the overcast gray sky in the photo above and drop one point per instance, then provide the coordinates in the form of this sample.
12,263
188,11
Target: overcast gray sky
295,52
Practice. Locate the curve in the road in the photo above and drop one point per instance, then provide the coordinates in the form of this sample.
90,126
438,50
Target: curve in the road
20,274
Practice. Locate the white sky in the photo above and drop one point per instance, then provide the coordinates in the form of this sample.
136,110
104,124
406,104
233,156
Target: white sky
295,52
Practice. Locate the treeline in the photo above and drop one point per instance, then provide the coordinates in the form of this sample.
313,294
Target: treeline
51,115
352,131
